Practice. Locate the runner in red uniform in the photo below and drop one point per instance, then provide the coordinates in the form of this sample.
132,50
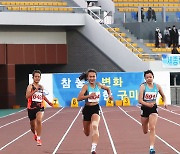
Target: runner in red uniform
35,106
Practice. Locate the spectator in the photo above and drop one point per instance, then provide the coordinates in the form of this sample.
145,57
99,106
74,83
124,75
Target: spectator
142,14
175,35
179,38
151,15
174,51
158,38
166,37
170,42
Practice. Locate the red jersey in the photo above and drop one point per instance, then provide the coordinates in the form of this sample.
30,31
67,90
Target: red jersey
36,100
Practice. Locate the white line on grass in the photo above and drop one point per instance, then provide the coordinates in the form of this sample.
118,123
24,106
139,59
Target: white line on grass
62,139
108,132
170,146
29,130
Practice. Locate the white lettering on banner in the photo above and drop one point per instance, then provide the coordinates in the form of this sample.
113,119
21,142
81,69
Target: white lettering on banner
105,95
94,98
171,60
79,84
148,96
37,97
66,82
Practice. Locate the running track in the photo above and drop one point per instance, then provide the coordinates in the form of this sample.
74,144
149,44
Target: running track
120,132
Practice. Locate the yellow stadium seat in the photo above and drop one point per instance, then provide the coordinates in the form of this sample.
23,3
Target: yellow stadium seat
9,8
64,3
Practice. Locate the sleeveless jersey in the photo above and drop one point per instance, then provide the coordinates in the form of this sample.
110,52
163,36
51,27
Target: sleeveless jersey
36,100
90,90
150,95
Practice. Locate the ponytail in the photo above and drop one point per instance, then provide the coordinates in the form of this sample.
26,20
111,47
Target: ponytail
84,75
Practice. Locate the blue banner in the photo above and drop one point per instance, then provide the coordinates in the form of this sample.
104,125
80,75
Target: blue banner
171,60
122,84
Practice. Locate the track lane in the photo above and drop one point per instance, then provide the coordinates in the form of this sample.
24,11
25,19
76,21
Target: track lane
165,130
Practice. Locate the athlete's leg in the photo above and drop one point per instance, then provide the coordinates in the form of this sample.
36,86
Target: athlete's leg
95,131
33,125
86,126
152,125
39,116
144,122
95,127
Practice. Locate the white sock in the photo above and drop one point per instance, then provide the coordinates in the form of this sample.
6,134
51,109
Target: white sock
93,148
38,137
151,147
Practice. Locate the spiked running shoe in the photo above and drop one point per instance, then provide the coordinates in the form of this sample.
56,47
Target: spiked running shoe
152,151
93,152
39,143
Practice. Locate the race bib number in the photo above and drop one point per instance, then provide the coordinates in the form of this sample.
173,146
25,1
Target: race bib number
37,97
148,96
94,98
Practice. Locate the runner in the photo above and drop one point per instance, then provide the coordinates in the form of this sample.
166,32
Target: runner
91,112
149,113
35,106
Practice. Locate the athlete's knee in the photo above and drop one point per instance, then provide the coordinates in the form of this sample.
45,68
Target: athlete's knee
87,133
152,128
95,130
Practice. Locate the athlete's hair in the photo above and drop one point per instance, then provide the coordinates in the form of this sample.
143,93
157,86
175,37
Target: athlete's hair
84,75
147,72
36,71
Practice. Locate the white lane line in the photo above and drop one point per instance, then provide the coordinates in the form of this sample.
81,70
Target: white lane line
12,113
169,121
108,132
170,146
62,139
29,130
13,122
175,105
168,110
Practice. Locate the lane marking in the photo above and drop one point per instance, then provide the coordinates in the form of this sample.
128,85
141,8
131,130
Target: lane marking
13,122
169,121
170,146
108,132
62,139
12,113
28,131
168,110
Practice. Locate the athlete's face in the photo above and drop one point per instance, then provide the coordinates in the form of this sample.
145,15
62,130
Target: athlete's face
91,77
149,78
37,77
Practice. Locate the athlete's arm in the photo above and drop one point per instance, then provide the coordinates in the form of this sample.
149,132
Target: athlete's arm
107,89
45,98
30,91
81,95
140,98
162,95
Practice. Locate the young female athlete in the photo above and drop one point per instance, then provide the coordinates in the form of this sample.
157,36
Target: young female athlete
147,99
35,106
91,94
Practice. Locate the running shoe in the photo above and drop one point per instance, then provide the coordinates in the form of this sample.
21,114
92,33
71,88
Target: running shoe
152,151
93,152
35,137
39,143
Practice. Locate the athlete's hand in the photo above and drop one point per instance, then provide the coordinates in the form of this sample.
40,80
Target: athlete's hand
150,104
111,98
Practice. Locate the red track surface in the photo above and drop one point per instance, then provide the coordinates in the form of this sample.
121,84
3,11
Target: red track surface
120,132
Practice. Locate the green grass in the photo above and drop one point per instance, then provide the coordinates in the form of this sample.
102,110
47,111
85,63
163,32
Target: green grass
5,112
